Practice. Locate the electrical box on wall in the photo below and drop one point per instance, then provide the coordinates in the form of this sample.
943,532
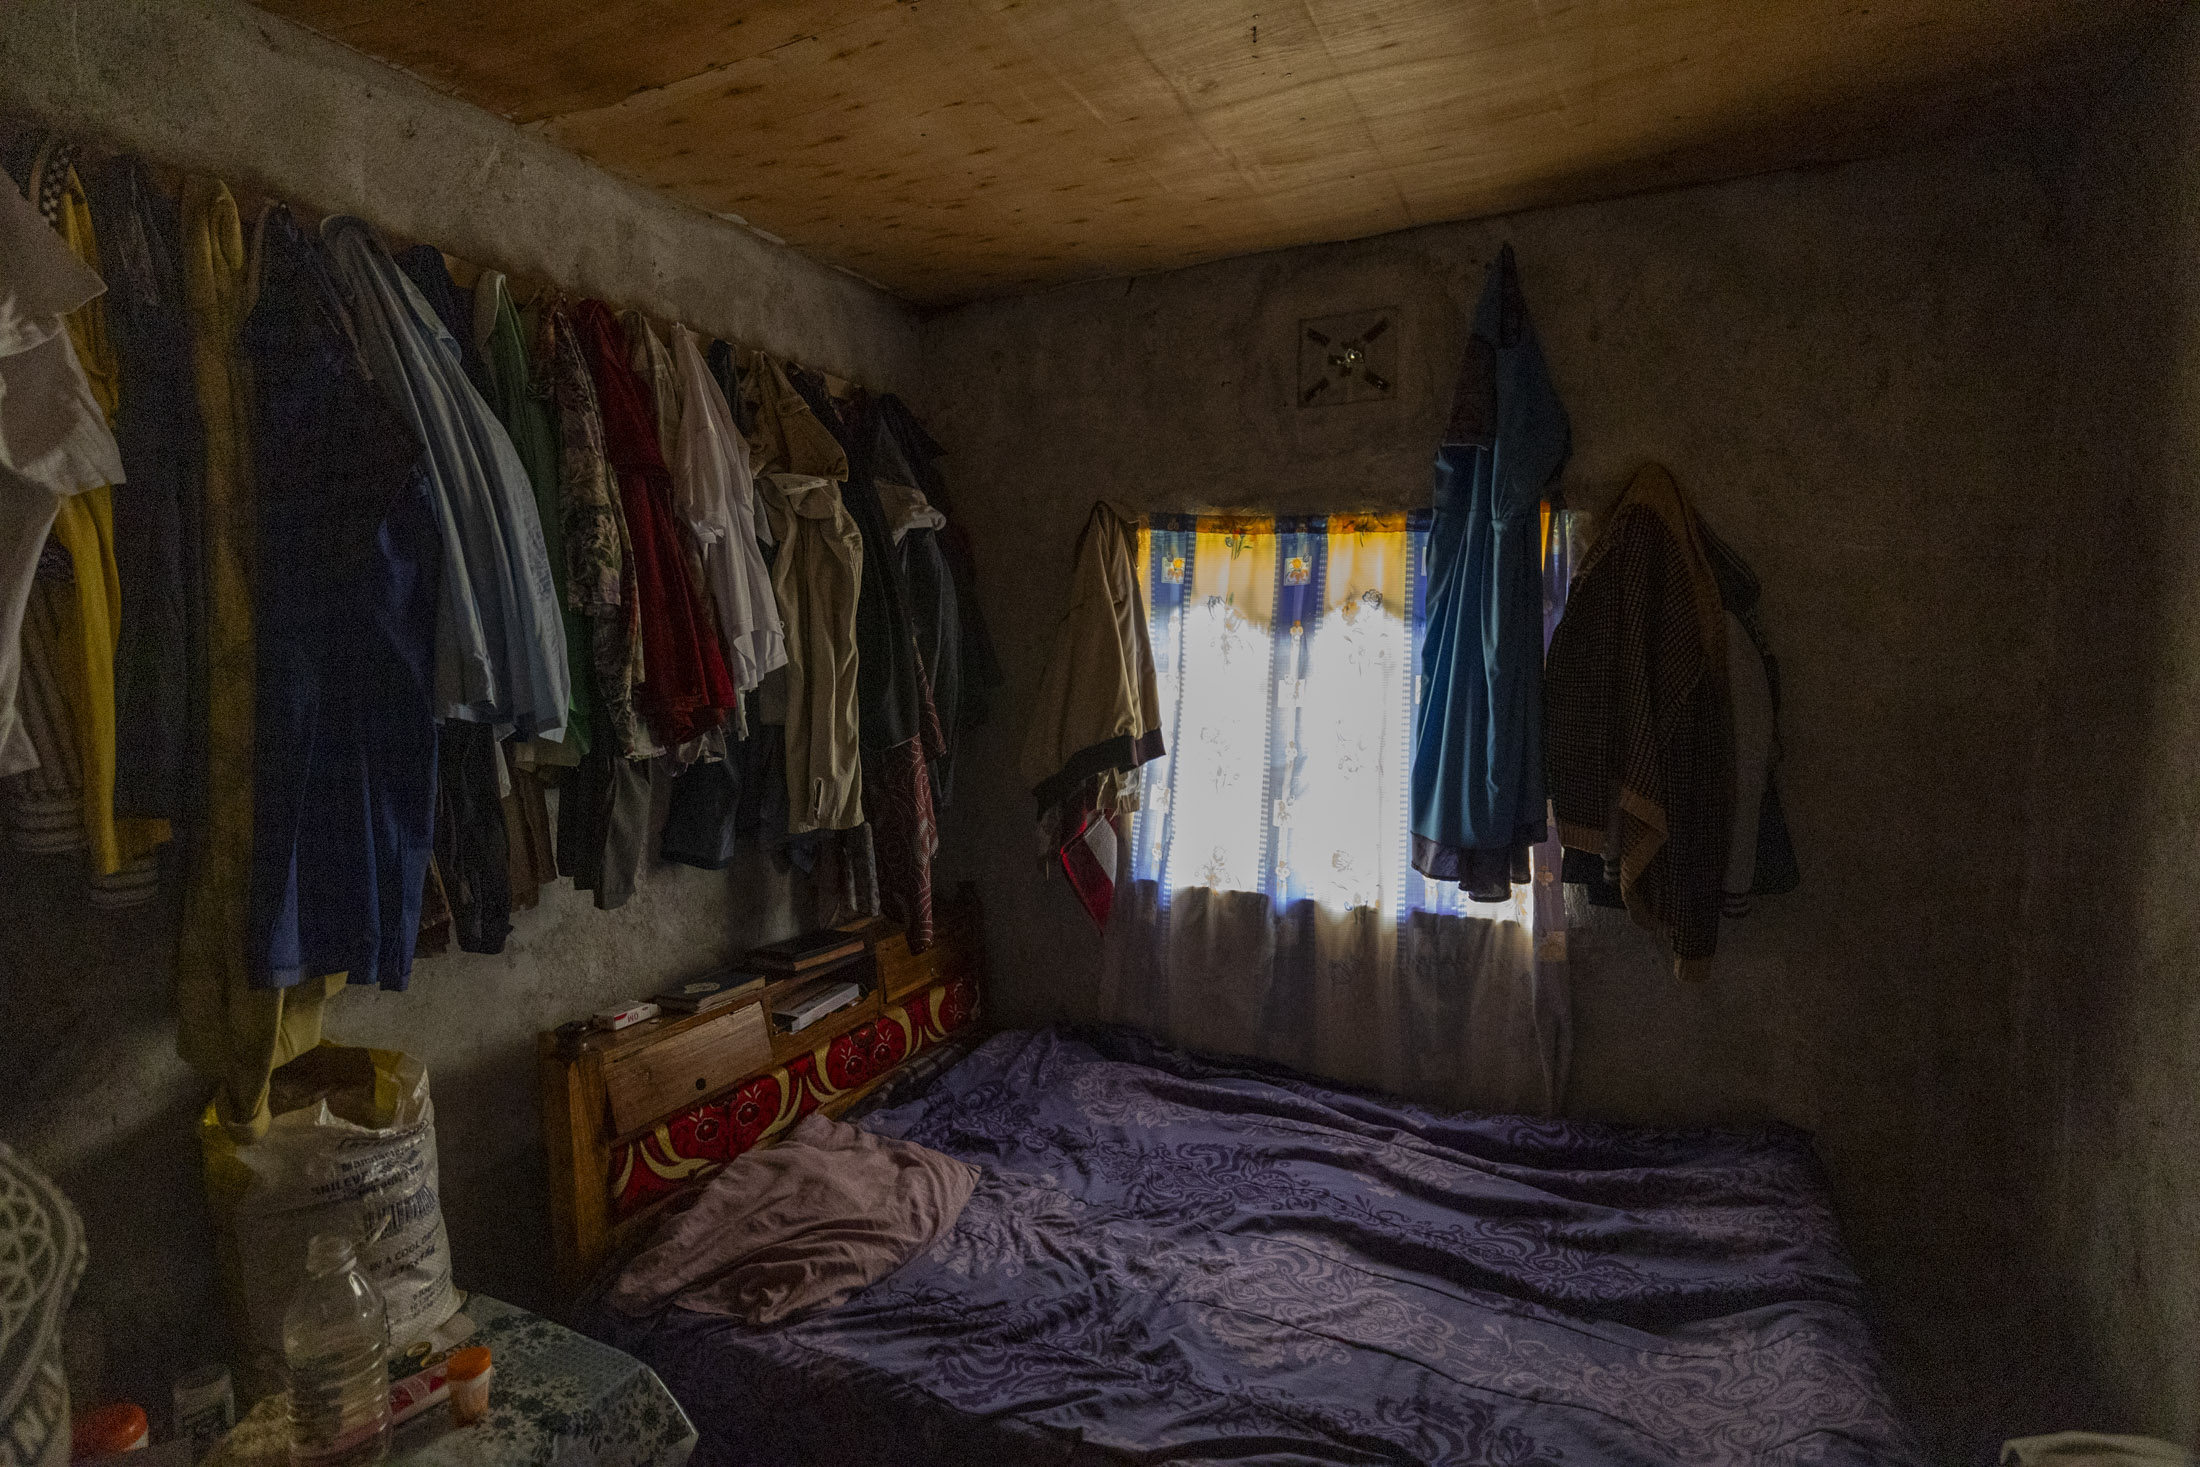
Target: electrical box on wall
1349,358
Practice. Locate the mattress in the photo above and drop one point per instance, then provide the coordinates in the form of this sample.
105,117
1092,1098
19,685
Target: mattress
1176,1258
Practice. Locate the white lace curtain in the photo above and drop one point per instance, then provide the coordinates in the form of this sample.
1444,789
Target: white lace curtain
1270,907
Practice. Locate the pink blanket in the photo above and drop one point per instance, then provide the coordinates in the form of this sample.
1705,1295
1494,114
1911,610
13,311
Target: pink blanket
798,1225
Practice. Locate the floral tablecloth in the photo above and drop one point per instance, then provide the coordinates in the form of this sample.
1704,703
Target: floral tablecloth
559,1399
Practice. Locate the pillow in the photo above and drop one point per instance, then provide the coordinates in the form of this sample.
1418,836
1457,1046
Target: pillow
800,1225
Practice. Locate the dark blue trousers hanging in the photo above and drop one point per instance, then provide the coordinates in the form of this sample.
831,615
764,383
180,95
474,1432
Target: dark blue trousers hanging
344,598
160,661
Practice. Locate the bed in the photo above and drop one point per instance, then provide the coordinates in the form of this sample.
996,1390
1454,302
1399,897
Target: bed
1171,1257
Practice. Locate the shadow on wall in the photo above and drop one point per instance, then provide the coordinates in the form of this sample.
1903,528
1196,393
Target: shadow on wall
2109,1052
97,1098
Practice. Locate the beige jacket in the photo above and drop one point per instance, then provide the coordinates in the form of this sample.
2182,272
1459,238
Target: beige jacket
788,436
1098,710
816,578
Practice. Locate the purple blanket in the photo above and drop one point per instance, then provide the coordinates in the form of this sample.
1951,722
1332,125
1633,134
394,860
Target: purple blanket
1172,1258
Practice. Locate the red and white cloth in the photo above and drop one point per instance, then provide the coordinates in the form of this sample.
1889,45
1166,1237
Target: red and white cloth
1089,849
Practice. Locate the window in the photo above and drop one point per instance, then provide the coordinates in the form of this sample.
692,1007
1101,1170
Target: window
1288,653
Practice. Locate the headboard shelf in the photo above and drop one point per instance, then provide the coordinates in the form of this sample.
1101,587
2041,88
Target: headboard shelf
635,1118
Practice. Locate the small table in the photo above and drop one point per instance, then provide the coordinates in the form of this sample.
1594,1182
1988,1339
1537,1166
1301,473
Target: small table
559,1399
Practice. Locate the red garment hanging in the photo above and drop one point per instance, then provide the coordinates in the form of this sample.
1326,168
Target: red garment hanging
685,687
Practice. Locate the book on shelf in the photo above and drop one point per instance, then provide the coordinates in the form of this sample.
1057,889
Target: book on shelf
810,950
813,1001
701,995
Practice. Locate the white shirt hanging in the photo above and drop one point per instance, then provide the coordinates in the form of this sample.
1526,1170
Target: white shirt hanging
715,493
54,440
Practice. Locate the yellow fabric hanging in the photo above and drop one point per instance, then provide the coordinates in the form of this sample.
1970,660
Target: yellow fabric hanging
84,657
233,1033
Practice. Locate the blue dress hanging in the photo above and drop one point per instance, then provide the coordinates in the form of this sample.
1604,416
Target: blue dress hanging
1477,789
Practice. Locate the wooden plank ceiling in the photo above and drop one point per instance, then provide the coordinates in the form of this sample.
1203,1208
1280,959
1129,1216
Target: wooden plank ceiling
950,149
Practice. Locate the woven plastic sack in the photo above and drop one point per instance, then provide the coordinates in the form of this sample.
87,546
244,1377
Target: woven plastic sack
350,1150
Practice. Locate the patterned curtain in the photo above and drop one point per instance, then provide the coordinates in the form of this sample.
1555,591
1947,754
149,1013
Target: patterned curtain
1270,906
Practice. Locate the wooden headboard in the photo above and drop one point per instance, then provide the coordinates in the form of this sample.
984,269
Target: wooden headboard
633,1120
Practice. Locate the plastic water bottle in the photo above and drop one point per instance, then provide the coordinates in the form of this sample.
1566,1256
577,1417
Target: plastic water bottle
336,1342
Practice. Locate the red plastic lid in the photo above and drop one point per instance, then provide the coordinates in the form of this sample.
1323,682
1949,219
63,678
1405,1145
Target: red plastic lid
117,1427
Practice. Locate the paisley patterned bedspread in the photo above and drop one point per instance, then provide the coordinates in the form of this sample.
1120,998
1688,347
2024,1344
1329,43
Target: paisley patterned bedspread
1174,1258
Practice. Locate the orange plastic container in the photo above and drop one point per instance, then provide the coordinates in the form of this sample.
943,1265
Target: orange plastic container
469,1373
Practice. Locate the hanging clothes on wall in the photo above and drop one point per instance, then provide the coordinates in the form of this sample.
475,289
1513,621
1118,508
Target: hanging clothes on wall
840,869
935,617
160,657
725,366
755,775
599,556
1097,711
651,360
520,394
1478,793
965,698
685,690
604,808
233,1033
890,692
954,648
533,864
1761,852
716,495
603,824
788,437
702,820
852,872
900,725
86,604
1640,731
500,644
472,851
55,442
817,578
453,306
348,556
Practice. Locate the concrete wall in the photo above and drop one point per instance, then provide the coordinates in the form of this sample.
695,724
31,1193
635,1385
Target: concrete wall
2109,1007
93,1090
1851,371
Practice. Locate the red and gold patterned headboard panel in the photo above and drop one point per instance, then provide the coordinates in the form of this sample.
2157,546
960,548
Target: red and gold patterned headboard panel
634,1119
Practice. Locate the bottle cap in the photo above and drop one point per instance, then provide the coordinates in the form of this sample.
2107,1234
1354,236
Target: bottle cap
119,1426
468,1363
329,1253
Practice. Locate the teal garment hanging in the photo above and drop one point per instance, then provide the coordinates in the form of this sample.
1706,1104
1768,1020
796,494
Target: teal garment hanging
1477,796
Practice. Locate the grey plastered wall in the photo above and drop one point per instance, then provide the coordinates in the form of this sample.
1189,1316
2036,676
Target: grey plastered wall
2109,1005
1853,371
89,1083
